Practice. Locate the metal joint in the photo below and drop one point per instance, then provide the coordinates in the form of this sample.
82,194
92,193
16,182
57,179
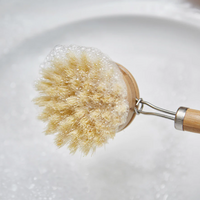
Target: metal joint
180,114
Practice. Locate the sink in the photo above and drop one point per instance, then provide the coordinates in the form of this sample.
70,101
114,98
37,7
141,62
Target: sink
159,43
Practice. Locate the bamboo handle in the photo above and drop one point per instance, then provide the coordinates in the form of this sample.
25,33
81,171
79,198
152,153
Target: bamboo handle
191,121
187,119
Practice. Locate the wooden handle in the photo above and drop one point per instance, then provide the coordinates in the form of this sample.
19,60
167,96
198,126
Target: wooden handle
191,121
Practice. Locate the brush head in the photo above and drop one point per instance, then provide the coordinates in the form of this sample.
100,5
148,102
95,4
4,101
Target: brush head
133,94
84,97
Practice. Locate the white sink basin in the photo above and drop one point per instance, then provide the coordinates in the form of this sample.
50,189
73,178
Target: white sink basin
160,44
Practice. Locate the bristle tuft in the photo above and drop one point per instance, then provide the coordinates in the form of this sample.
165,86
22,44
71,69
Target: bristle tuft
84,98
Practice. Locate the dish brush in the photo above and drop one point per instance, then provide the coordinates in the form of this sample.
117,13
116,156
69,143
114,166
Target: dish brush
87,98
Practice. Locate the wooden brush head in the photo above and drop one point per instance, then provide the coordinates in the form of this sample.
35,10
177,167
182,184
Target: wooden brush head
133,93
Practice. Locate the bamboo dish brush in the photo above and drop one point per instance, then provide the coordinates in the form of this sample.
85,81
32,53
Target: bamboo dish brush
87,98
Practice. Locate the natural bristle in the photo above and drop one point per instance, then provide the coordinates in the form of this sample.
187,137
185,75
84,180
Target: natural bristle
84,97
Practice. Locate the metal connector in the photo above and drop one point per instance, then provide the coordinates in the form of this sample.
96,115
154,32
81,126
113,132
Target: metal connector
180,114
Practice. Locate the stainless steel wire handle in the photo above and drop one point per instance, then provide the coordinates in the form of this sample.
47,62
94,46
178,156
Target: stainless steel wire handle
140,105
177,117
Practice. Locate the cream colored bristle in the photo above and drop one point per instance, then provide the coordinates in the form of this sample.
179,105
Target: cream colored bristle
84,97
